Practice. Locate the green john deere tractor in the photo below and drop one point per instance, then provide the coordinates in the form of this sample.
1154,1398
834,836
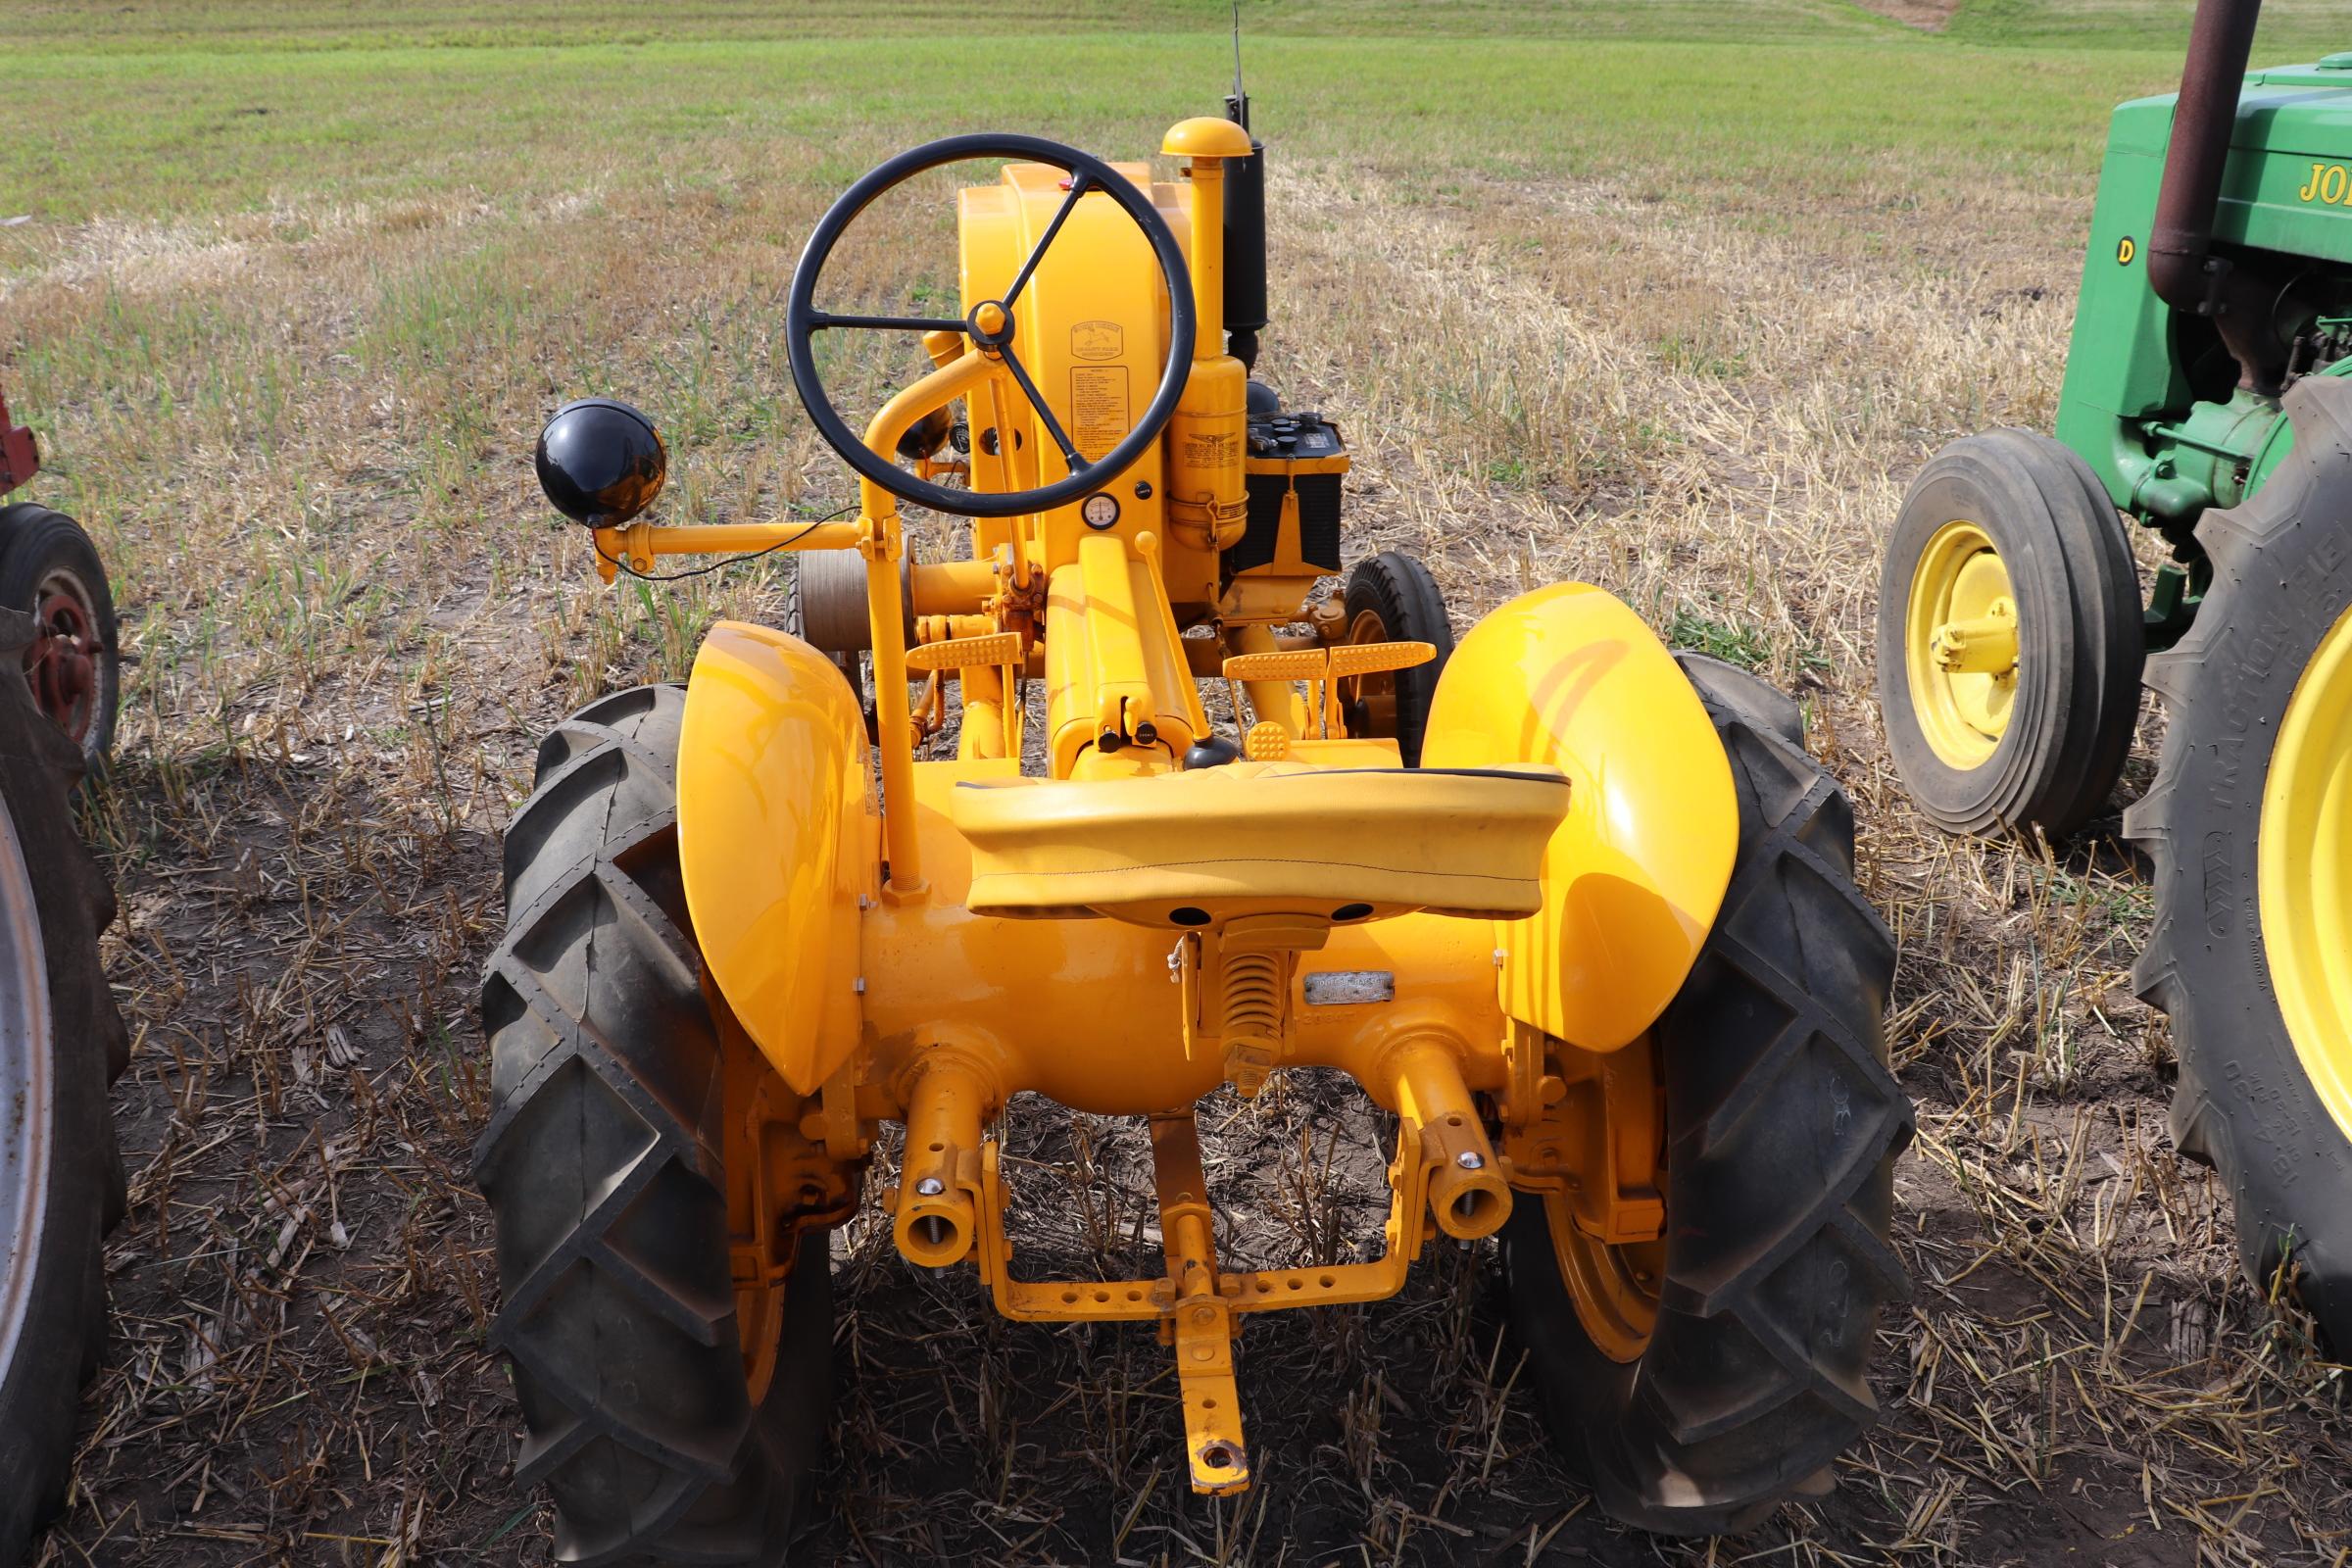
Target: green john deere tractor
2208,396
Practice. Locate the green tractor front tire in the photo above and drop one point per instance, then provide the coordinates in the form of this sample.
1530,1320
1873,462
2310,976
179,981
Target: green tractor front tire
2009,562
2249,824
1746,1376
602,1165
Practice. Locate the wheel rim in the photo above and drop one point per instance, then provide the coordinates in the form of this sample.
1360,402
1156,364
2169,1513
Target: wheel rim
759,1320
1613,1112
63,664
1614,1287
758,1285
1369,701
26,1091
1960,645
2304,862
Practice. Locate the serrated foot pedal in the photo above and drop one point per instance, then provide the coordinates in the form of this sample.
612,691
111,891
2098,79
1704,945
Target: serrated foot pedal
1327,667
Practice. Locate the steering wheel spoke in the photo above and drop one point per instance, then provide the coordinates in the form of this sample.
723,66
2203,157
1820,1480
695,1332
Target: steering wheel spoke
1037,254
1045,411
819,321
991,327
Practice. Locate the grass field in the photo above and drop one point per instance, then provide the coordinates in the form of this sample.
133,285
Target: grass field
1673,297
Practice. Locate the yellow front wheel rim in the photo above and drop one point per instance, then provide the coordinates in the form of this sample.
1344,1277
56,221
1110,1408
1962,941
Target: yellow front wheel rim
2304,861
1959,587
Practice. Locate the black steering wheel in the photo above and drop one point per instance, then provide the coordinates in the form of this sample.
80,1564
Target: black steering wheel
989,327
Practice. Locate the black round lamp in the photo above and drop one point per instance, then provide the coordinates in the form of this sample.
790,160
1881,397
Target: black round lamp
601,461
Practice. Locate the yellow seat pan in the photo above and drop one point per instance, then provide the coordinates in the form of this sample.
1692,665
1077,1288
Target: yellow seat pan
1185,849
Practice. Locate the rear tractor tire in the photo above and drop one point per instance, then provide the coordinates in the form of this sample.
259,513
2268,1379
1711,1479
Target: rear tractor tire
62,1041
1701,1379
2249,824
655,1432
2009,638
1390,597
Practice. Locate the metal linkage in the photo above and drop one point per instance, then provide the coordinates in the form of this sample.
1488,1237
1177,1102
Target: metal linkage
1445,1179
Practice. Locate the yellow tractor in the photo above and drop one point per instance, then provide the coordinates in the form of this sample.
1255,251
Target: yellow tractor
1115,810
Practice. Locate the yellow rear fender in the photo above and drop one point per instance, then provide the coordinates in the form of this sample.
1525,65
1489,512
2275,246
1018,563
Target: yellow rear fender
1635,873
777,842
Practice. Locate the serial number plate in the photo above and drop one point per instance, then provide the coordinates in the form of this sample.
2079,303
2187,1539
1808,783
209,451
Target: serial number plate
1335,987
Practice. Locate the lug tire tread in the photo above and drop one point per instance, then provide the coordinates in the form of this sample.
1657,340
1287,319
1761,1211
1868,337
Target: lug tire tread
600,1164
1783,1120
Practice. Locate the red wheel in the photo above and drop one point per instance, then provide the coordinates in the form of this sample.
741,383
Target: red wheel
50,569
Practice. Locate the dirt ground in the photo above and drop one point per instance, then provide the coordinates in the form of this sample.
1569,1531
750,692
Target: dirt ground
305,830
1928,16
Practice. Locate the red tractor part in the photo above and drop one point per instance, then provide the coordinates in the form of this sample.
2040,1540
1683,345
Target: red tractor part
51,571
19,456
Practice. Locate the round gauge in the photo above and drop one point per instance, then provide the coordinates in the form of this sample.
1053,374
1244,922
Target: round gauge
1100,510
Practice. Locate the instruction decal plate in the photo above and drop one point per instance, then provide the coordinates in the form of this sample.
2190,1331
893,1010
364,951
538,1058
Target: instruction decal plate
1099,408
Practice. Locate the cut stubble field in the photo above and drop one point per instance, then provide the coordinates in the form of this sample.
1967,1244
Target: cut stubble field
1677,311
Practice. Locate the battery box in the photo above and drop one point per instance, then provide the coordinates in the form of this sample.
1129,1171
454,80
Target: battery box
1293,473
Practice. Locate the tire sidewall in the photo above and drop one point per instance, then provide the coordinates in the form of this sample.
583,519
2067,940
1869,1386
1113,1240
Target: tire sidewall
1399,590
39,1386
2081,635
2284,1153
1578,1386
36,541
1971,482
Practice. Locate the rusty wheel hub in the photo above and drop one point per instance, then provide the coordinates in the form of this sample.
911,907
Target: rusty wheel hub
61,665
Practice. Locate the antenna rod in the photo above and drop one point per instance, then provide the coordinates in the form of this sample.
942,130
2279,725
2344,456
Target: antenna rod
1237,106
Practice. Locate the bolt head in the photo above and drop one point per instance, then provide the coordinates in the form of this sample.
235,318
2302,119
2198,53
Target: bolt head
1470,1159
930,1187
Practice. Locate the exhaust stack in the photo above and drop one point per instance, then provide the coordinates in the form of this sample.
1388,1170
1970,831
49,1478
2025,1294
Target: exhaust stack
1245,226
2181,261
2181,267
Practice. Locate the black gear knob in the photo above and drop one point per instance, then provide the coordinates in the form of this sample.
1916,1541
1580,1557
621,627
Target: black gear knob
601,461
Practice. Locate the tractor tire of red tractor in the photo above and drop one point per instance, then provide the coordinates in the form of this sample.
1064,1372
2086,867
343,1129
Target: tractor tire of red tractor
602,1165
2012,518
62,1041
1782,1124
2247,826
50,570
1390,597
